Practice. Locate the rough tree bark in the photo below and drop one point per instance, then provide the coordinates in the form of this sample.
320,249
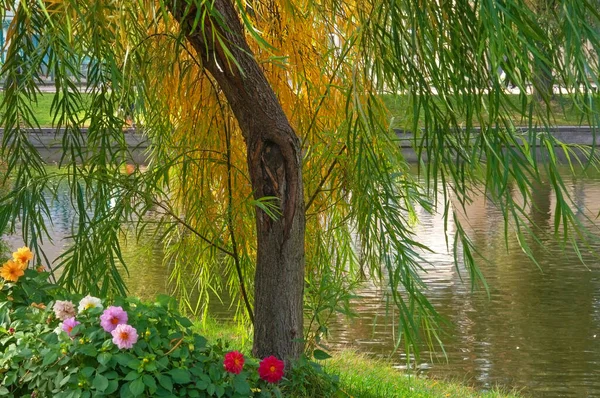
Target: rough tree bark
274,163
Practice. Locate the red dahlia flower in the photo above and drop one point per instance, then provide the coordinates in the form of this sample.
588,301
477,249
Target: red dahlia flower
270,369
234,362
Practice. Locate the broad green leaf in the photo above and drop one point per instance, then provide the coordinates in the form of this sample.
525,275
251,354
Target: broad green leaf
132,375
321,355
137,387
50,358
180,376
149,381
87,372
241,386
100,382
104,358
165,381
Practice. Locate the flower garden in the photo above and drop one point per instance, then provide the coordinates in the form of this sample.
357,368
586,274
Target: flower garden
57,344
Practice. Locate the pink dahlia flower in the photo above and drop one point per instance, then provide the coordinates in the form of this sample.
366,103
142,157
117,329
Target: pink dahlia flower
112,317
68,325
124,336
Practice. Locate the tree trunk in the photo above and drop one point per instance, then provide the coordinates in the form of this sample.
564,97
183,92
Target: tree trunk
274,163
543,77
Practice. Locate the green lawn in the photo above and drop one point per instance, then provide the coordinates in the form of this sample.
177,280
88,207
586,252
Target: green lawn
360,376
562,108
368,378
42,108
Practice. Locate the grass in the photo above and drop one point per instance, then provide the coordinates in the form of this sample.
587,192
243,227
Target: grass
42,108
563,109
365,377
360,376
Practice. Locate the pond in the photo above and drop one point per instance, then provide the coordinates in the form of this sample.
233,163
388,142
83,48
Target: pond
538,329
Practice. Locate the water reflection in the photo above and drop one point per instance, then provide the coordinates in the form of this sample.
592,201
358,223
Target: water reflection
538,329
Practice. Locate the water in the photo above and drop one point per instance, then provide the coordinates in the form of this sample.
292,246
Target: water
538,330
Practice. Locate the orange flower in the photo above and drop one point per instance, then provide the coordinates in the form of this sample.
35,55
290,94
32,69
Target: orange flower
11,271
40,306
40,268
23,255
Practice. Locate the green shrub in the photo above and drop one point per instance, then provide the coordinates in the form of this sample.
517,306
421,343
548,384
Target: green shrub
44,356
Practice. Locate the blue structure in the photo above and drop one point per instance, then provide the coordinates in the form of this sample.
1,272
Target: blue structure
5,23
46,76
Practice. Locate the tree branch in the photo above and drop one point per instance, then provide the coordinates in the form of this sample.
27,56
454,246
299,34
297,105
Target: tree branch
324,179
192,229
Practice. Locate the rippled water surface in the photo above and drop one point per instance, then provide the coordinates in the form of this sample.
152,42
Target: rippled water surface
538,330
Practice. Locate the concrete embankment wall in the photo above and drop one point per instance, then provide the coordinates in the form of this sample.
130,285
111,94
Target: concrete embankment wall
572,135
48,142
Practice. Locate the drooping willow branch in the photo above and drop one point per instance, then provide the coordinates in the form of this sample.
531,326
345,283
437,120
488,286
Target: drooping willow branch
324,179
192,229
236,257
234,254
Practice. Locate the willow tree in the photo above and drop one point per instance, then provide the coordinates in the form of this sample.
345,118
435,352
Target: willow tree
542,68
275,172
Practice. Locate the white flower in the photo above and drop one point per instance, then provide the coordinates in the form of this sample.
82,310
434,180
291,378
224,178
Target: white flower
89,302
64,309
